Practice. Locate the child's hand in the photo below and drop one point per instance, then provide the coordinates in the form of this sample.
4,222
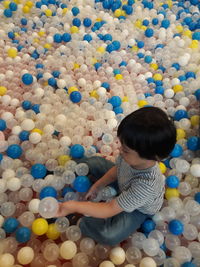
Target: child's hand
92,193
63,210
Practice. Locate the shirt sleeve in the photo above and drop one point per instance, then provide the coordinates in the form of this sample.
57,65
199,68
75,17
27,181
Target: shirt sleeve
134,197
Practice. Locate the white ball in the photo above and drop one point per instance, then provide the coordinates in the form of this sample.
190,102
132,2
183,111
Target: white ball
169,93
5,99
117,255
106,264
96,84
65,141
25,255
35,138
7,116
147,262
16,130
27,124
68,250
49,129
14,184
101,91
82,82
61,83
1,220
195,170
129,265
8,173
34,205
7,260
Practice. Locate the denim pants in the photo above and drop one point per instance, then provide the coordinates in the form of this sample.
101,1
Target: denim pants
113,230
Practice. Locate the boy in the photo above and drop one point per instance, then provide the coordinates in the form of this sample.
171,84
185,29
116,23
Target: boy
147,135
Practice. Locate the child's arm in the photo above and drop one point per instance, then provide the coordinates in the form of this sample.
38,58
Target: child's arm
109,177
97,210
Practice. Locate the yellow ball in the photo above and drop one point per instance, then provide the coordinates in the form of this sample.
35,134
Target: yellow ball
26,9
194,44
118,77
63,159
180,134
142,103
179,28
101,49
65,10
125,99
6,4
12,52
40,226
143,28
76,66
48,12
47,46
52,232
72,89
29,4
3,90
162,167
118,13
138,23
94,94
171,192
195,120
177,88
74,29
157,77
25,255
134,48
36,130
154,66
68,250
187,33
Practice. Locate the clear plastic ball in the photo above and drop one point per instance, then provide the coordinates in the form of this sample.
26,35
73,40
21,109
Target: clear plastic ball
51,252
150,246
80,260
73,233
48,207
182,254
133,255
62,224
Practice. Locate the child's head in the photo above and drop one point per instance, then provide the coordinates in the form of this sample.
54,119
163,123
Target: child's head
149,132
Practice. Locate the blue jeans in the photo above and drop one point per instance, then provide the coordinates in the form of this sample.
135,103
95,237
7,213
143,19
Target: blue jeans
113,230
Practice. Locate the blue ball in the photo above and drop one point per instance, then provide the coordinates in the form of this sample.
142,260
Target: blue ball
107,37
97,65
197,197
27,78
140,55
14,151
39,66
116,45
176,66
172,181
87,22
57,38
38,171
128,9
115,101
24,21
2,125
193,143
118,110
176,227
81,184
155,21
188,264
116,71
36,108
180,114
23,234
66,189
1,157
106,4
148,226
13,6
24,136
77,151
177,151
196,36
165,23
140,44
197,94
75,11
11,35
159,90
148,59
7,13
56,73
145,22
190,74
52,82
87,37
123,63
75,97
110,48
26,104
10,225
106,85
149,32
48,191
76,22
66,37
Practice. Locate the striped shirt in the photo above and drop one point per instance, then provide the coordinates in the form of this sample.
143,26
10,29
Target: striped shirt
139,189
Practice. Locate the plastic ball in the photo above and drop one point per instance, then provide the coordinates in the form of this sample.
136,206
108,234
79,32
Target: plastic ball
40,226
2,122
148,226
12,52
77,151
38,171
34,205
68,250
117,255
171,192
151,247
48,207
48,191
176,227
147,262
14,151
25,255
195,170
73,233
27,125
27,78
10,225
106,264
172,181
81,184
7,260
149,32
75,97
23,234
52,232
177,151
62,224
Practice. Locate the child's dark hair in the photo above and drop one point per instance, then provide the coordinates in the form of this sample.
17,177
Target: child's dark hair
149,132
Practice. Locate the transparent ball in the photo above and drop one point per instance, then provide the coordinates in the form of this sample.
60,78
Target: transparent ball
133,255
73,233
48,207
182,254
62,224
80,260
151,247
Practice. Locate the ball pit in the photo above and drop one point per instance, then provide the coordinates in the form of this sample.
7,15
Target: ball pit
70,72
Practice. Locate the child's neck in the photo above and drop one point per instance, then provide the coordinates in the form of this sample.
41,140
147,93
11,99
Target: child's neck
144,165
